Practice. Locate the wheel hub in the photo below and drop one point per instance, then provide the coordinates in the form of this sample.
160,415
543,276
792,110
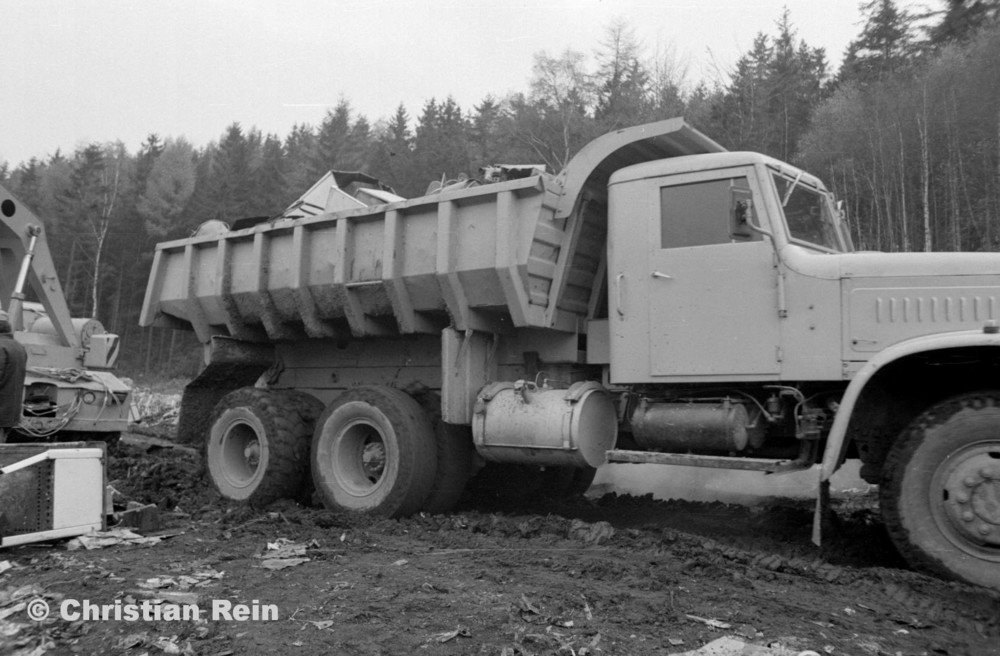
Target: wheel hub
361,458
251,453
373,460
972,492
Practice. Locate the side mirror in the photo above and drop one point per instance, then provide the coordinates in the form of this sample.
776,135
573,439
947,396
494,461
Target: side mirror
744,217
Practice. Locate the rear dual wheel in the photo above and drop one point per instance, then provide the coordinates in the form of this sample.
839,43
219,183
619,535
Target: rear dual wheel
375,450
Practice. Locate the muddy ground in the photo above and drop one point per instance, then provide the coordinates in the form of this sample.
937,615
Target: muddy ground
608,575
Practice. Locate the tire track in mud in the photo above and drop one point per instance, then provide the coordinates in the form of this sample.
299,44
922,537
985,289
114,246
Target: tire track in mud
771,541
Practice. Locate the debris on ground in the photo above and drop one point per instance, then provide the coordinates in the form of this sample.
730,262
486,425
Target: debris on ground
596,533
112,537
729,646
150,443
151,408
448,636
199,579
283,553
715,624
144,518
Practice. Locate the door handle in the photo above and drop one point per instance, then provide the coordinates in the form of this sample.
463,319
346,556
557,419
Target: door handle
658,274
620,304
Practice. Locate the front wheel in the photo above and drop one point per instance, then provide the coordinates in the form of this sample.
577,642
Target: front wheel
374,451
940,490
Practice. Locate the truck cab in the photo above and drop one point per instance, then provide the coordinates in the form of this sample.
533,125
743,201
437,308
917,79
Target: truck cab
698,291
738,265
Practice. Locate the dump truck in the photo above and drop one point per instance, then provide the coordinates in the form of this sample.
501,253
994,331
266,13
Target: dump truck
661,300
70,390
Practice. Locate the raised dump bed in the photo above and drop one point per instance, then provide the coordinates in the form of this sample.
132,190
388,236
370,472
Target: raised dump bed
520,253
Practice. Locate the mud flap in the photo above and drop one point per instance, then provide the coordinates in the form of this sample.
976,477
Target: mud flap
822,511
232,364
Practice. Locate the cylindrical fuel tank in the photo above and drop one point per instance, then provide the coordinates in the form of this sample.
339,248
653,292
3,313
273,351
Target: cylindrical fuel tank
520,423
691,427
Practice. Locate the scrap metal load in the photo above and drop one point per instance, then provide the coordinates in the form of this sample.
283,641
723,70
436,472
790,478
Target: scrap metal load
520,253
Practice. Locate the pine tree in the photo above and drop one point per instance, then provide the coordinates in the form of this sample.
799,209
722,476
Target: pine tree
885,48
795,77
300,153
149,151
623,97
333,141
486,137
230,175
99,183
963,19
392,159
359,145
767,105
268,180
169,185
440,147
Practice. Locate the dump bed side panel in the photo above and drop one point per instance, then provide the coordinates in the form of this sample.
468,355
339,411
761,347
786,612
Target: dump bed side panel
481,258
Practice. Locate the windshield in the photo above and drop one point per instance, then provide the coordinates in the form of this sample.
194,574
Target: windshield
809,214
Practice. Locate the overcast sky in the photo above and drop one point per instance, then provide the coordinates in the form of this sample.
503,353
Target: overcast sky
77,71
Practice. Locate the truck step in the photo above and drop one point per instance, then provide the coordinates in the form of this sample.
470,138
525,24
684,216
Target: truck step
768,465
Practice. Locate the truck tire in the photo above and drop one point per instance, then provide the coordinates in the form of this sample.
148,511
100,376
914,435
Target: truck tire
374,451
258,445
940,490
455,453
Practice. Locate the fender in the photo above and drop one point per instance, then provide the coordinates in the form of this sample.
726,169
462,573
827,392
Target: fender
836,442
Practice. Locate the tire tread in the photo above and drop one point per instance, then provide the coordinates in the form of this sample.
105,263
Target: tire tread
288,417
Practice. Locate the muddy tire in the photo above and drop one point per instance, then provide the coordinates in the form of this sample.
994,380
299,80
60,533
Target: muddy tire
257,449
940,490
455,453
374,451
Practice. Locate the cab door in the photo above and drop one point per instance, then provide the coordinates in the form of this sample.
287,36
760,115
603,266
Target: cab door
694,288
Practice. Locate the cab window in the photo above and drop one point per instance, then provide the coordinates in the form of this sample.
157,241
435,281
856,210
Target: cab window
809,214
703,213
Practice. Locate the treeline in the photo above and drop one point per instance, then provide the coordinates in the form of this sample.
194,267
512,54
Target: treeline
907,132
